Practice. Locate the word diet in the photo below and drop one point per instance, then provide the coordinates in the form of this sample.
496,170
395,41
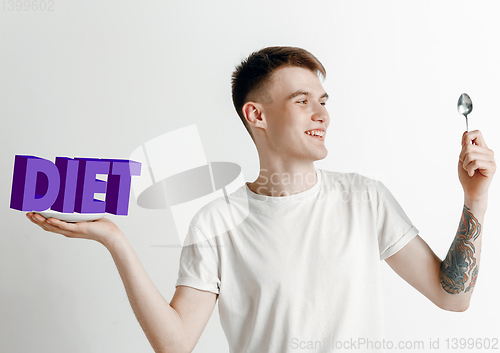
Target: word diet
69,185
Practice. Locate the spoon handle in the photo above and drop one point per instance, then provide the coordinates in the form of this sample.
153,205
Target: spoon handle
467,123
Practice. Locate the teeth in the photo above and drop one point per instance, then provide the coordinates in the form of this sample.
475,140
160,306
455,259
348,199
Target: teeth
315,133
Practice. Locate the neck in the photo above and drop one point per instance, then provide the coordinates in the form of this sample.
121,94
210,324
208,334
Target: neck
282,179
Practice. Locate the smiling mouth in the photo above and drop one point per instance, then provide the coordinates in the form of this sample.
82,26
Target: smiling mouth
316,134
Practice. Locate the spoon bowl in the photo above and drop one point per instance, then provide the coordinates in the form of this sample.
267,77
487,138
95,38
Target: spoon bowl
464,107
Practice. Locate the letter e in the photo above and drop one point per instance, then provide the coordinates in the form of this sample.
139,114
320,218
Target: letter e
87,185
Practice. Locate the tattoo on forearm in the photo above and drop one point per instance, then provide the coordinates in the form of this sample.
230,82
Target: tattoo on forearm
473,280
460,261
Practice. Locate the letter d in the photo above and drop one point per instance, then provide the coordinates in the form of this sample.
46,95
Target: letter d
35,184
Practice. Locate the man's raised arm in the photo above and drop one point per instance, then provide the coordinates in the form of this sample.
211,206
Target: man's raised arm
449,283
174,327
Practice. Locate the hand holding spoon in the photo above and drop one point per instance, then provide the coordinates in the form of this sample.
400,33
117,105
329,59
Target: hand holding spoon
464,107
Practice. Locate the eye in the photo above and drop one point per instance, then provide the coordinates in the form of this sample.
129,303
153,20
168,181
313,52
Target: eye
303,101
323,104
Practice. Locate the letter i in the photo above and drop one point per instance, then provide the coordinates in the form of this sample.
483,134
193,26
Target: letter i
68,169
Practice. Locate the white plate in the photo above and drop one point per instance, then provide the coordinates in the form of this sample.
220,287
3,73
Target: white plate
71,217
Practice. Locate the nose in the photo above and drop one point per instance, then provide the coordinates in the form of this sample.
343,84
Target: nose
321,114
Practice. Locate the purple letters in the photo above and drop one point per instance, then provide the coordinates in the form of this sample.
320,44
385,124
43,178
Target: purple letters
35,185
117,195
69,185
88,185
68,169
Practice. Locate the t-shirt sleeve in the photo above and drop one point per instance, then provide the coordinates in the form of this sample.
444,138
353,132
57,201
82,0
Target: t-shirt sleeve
199,265
394,228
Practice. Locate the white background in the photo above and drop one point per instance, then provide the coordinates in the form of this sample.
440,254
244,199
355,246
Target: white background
99,78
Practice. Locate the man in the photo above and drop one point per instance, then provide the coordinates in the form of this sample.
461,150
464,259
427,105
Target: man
301,271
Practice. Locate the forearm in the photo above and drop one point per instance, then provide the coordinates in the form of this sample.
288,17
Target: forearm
459,270
160,322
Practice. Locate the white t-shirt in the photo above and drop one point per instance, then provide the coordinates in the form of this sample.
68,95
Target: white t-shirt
298,273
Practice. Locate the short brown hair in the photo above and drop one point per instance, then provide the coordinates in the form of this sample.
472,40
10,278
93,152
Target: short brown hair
253,73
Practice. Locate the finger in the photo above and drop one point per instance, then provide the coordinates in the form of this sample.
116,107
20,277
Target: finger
486,168
472,156
29,215
34,220
477,158
37,217
467,149
42,223
69,227
475,136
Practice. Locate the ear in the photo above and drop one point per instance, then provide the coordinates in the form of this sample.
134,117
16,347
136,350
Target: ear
254,115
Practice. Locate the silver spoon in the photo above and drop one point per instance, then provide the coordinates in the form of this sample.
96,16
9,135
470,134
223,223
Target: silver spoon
464,107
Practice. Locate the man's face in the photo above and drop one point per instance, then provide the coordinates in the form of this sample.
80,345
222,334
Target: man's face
297,106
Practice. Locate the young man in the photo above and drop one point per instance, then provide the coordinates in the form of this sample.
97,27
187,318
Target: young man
302,268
